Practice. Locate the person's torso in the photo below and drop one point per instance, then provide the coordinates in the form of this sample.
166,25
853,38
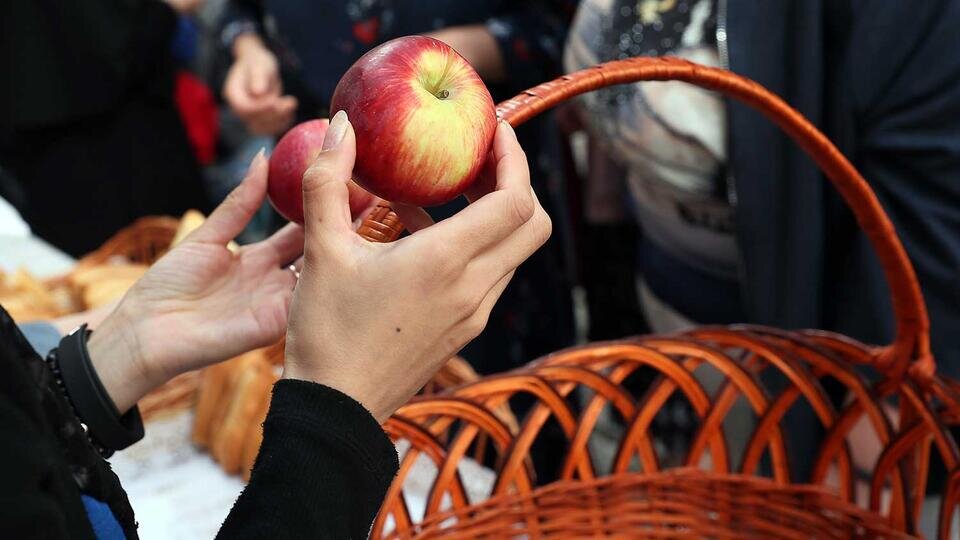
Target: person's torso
670,136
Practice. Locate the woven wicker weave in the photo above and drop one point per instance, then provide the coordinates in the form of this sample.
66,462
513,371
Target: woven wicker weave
919,404
144,241
675,504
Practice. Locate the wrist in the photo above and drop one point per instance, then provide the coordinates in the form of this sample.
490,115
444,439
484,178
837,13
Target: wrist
118,357
367,398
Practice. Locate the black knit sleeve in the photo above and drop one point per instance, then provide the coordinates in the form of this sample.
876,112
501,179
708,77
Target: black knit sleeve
322,472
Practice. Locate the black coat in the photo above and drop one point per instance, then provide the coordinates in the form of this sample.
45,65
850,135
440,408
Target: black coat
882,79
88,125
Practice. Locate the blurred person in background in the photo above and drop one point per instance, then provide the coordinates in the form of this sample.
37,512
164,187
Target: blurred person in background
89,127
288,56
733,223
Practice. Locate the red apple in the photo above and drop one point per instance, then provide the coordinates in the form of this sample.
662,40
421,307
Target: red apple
423,118
292,156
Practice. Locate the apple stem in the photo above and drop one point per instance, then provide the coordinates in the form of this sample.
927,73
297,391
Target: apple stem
443,94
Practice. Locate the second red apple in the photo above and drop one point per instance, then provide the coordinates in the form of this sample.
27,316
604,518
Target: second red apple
292,156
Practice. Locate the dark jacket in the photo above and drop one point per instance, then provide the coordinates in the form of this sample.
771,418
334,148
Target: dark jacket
323,468
882,79
89,130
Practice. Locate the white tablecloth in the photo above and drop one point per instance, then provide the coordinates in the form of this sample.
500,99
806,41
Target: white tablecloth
19,249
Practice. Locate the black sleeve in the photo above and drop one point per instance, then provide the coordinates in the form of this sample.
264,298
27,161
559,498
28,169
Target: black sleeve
323,469
31,505
76,59
45,457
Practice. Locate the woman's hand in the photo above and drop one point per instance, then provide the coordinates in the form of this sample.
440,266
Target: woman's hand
375,321
253,88
200,303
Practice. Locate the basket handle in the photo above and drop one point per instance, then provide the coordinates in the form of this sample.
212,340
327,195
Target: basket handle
912,341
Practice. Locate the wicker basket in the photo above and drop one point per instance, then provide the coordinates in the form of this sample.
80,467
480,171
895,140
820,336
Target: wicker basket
676,504
143,242
893,393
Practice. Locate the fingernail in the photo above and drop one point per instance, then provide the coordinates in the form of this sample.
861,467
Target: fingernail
336,131
506,125
261,155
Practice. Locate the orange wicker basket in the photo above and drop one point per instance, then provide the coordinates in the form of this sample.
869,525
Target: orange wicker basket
674,504
893,393
144,241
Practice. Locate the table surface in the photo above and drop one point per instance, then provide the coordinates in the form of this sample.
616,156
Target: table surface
38,257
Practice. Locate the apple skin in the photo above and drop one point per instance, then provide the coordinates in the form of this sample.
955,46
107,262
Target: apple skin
292,156
423,118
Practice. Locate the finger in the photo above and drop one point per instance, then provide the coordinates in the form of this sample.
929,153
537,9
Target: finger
270,124
238,98
326,199
414,218
289,278
362,202
297,264
497,215
233,214
490,300
255,113
507,255
286,244
478,321
506,151
260,79
238,94
486,181
286,105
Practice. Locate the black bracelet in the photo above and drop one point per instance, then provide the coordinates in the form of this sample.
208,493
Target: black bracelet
89,398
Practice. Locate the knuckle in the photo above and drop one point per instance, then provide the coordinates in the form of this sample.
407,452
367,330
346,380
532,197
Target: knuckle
475,324
521,207
443,259
544,228
316,176
467,304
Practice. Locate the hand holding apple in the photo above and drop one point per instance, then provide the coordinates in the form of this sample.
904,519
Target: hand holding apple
375,321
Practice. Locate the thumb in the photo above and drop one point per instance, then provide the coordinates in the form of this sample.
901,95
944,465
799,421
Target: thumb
326,199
